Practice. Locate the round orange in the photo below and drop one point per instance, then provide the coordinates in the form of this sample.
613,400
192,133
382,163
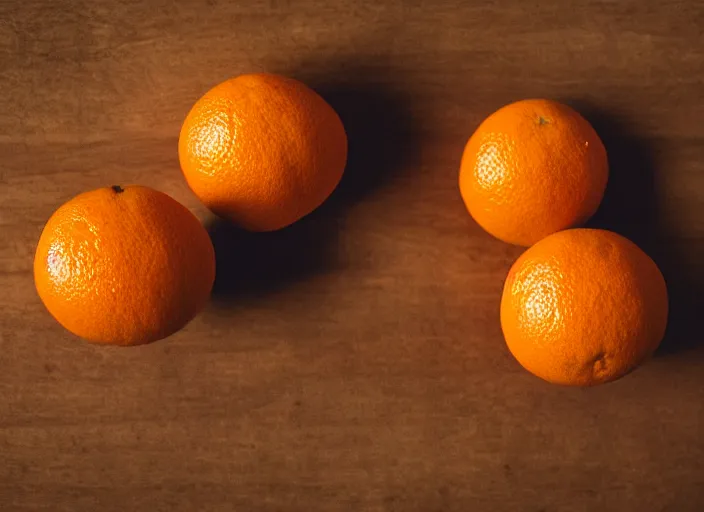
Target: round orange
583,307
262,150
533,168
124,266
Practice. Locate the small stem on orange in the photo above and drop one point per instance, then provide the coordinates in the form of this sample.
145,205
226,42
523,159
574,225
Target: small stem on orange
117,188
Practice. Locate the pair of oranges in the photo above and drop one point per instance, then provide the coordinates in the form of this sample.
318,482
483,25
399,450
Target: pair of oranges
131,265
580,306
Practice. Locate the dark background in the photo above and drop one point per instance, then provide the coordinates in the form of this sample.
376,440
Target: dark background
354,361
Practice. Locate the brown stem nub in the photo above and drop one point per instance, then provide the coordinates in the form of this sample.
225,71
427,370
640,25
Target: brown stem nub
117,188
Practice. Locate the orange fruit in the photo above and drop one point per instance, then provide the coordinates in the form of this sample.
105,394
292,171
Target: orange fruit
262,150
124,266
583,307
533,168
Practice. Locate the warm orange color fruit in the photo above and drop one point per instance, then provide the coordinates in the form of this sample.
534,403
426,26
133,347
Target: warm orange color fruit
533,168
583,307
124,266
262,150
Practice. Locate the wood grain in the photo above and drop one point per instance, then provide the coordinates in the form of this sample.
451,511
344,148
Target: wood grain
355,360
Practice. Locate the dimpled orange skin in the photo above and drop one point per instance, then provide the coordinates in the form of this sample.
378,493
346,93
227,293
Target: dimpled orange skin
583,307
533,168
262,150
124,266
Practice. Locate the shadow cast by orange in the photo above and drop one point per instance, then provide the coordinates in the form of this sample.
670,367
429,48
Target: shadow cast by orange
631,207
382,144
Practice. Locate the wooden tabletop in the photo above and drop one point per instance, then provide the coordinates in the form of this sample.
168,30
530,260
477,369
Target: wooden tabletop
354,361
